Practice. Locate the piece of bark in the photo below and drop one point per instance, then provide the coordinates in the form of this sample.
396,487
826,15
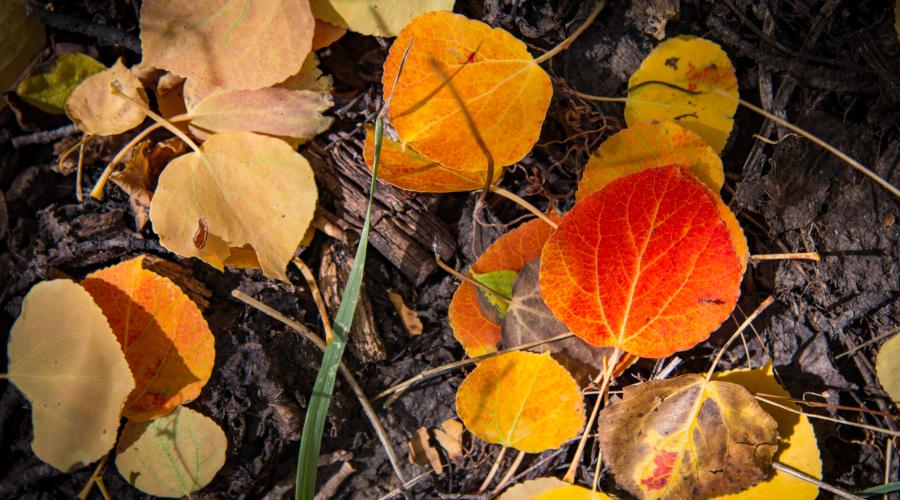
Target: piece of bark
365,342
404,227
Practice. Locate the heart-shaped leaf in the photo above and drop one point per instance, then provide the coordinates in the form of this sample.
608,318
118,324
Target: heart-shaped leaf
96,110
48,90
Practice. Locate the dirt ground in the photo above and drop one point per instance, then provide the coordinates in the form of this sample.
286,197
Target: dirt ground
830,67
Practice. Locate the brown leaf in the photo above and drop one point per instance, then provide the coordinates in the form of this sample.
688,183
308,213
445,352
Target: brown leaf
450,437
421,452
411,320
141,173
686,438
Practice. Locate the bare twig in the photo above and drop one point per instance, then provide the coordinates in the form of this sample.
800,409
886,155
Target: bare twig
809,479
44,136
317,297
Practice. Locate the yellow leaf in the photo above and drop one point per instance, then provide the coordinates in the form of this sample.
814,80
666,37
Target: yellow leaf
572,492
96,110
470,64
648,145
887,367
49,90
798,447
172,456
235,45
676,82
375,17
529,490
21,38
522,400
686,438
65,358
253,194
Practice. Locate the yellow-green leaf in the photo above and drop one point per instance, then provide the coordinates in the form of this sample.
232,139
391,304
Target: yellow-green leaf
375,17
65,358
97,110
247,200
49,90
171,456
500,282
887,367
20,39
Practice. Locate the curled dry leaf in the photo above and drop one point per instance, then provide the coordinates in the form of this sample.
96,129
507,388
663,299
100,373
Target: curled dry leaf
21,38
140,174
422,452
648,145
476,324
170,95
49,87
171,456
484,69
404,167
251,197
645,264
572,492
168,344
529,490
232,45
375,17
676,81
887,367
97,110
522,400
64,357
686,438
797,448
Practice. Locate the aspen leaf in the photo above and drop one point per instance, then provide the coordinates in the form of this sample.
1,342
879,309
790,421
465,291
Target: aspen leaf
404,167
572,492
529,490
522,400
64,357
233,45
648,145
168,344
171,456
698,66
645,264
326,34
477,327
798,447
500,282
21,38
887,367
48,90
375,17
501,86
686,438
96,110
251,201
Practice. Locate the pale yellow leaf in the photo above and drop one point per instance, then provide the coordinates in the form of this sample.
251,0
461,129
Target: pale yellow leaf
97,110
528,490
375,17
887,366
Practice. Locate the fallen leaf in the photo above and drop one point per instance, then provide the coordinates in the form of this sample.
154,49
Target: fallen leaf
450,437
572,492
225,192
887,367
232,45
171,456
64,357
140,174
501,282
492,73
404,167
168,344
686,438
421,452
522,400
645,264
478,328
797,448
48,90
529,490
326,34
375,17
96,110
698,66
170,96
411,320
21,38
648,145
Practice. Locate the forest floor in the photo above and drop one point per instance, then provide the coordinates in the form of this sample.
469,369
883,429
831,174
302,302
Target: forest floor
830,67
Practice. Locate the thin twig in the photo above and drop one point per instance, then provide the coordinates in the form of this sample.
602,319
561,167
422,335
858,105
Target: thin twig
317,297
79,171
524,204
83,494
493,471
512,470
809,479
868,342
575,34
348,375
462,277
830,419
405,486
814,256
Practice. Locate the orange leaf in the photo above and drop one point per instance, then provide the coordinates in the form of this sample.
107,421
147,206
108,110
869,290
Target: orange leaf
167,343
457,62
325,34
407,169
646,264
476,329
523,400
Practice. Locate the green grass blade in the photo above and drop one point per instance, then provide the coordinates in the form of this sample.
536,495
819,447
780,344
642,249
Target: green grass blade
881,489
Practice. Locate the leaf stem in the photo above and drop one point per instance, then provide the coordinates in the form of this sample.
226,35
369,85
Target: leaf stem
814,256
79,170
571,38
493,471
462,277
749,319
317,297
512,470
524,204
830,419
100,185
95,478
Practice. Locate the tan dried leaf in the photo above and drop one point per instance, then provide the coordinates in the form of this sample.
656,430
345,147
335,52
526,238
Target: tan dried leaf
97,110
141,173
422,452
450,437
411,321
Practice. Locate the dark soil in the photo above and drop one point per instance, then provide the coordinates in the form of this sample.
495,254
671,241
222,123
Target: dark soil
831,67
